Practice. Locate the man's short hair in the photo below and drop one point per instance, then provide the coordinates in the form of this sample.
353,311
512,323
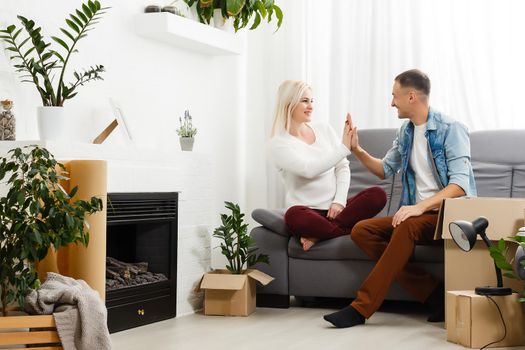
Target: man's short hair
416,79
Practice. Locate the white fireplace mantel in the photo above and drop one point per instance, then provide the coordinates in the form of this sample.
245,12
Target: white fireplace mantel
131,169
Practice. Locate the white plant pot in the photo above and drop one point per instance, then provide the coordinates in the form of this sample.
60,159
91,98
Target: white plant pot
186,143
220,22
51,123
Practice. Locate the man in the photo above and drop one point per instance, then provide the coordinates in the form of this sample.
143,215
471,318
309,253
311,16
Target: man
433,153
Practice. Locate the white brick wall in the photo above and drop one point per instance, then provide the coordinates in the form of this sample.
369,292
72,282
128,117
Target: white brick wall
132,170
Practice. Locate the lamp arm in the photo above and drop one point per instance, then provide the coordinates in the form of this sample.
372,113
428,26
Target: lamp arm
498,271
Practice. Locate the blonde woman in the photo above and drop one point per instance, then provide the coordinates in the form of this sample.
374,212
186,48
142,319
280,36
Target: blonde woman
312,162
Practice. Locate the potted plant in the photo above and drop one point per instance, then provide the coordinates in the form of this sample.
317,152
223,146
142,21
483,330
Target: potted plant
186,132
237,246
45,66
36,214
233,291
499,253
242,11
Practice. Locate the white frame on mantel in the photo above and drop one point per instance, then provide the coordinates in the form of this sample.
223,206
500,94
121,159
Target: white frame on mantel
189,34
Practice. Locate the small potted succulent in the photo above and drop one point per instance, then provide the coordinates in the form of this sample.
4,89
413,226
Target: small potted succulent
186,132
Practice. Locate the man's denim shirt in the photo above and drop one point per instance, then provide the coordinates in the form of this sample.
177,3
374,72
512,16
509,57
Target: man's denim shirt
450,146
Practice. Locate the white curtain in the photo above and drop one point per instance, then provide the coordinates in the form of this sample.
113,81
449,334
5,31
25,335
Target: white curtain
472,50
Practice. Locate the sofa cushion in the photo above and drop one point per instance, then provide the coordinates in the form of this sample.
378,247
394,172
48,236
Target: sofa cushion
492,180
498,161
272,219
343,248
518,182
339,248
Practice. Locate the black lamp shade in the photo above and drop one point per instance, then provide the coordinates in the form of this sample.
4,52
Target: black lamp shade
463,234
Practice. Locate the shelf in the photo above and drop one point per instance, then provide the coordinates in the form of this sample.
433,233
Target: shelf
188,34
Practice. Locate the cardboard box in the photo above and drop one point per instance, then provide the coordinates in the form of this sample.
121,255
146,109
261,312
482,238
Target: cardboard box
474,321
467,270
231,295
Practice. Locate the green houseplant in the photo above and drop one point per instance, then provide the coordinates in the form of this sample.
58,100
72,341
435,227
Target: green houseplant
242,11
498,252
45,66
35,214
38,61
236,245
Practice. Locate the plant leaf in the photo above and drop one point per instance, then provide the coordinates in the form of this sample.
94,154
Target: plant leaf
256,21
72,25
61,42
68,34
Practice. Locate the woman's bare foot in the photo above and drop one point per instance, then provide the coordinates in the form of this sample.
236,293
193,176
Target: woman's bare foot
307,243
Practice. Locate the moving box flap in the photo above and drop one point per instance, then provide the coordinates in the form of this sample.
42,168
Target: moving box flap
259,276
222,281
505,215
439,225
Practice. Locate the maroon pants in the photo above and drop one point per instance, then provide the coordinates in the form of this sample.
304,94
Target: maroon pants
392,248
306,222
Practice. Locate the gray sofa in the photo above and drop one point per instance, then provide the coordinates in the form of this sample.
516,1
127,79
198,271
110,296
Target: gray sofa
337,267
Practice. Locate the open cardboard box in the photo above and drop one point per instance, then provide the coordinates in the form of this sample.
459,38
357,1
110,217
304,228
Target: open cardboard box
231,295
467,270
474,321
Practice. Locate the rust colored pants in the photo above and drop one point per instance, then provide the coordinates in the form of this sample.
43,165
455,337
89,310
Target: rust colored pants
392,248
306,222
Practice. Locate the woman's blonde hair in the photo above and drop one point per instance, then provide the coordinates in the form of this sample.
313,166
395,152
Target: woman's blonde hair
288,96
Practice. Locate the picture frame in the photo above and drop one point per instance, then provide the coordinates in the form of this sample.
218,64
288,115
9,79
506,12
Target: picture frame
118,120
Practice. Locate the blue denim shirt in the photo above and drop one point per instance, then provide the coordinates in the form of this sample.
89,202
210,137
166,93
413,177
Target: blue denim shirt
450,146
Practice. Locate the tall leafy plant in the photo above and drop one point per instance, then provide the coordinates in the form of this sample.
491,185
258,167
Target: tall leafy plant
236,245
242,11
39,63
36,214
498,252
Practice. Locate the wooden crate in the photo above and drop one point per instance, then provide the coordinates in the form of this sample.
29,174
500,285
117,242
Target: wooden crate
29,330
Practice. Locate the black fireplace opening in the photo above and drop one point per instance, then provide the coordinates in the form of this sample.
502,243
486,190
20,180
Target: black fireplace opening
141,258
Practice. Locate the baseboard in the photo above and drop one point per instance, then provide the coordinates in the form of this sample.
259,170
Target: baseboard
273,300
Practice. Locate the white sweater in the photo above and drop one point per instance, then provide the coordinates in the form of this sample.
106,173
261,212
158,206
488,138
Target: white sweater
315,175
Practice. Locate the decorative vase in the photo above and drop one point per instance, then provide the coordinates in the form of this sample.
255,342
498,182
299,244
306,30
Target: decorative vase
51,123
7,122
186,143
220,22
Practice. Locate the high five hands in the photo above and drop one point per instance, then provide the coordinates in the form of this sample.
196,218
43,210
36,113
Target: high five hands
350,138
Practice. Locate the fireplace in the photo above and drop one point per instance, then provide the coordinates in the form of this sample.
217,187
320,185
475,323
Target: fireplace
141,266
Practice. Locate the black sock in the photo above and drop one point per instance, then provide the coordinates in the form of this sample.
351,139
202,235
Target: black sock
344,318
436,303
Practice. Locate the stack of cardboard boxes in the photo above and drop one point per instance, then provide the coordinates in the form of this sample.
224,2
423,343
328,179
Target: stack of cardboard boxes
473,320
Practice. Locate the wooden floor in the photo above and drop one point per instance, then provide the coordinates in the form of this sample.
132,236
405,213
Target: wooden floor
399,326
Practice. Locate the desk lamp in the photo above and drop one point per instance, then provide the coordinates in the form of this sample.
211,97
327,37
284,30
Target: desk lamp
464,234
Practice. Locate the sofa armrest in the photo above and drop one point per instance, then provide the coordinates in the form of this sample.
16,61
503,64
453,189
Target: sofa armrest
272,219
276,247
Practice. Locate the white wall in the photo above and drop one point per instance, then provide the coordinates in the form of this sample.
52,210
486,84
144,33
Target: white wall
153,82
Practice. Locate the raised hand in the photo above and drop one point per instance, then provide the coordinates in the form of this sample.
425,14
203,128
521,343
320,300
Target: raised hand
353,133
347,132
350,137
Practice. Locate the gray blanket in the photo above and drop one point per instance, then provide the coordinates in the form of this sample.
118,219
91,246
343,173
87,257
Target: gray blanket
80,314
